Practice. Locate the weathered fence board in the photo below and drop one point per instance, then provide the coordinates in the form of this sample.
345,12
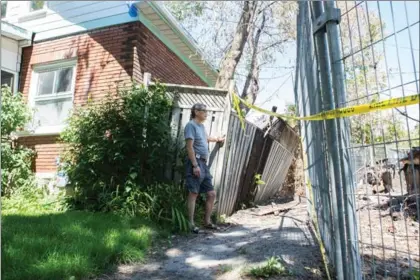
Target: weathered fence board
246,152
251,152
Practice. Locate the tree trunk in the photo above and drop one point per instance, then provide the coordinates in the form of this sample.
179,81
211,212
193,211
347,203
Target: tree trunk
234,54
251,87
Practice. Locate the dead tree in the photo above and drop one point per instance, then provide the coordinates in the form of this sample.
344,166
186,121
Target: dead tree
235,51
251,87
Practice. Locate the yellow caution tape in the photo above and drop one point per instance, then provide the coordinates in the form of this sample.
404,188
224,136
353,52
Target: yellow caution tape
342,112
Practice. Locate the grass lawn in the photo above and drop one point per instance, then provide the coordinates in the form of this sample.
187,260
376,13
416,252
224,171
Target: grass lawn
59,245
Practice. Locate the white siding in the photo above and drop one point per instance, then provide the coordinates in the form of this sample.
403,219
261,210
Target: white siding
14,8
67,17
9,54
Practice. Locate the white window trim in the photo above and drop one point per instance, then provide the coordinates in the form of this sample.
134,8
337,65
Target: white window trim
56,129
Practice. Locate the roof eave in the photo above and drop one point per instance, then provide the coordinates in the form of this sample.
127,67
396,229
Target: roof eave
15,32
166,15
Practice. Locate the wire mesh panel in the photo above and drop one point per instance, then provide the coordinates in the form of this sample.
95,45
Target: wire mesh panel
380,54
364,171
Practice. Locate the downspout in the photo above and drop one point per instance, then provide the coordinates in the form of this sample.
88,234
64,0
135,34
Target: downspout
22,44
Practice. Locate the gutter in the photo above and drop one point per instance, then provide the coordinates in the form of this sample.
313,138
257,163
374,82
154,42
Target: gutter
15,32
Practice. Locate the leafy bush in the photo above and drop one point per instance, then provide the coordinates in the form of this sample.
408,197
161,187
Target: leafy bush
16,161
117,152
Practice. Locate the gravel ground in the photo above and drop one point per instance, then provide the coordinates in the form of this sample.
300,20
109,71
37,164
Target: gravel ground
227,254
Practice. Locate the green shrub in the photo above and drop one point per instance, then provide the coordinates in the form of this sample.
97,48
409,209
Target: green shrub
118,147
16,161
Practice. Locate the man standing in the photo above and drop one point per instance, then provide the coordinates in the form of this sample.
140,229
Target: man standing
198,179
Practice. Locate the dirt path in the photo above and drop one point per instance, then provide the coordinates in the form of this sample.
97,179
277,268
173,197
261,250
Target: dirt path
227,254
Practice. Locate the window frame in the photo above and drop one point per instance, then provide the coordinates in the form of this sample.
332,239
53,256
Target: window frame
33,91
5,4
35,11
15,81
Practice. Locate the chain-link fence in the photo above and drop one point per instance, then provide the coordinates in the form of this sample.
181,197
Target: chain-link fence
363,171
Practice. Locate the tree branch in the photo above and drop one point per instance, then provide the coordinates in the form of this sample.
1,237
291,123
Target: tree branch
253,74
407,116
266,7
273,45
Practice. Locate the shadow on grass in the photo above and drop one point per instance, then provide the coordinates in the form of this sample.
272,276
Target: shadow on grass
61,245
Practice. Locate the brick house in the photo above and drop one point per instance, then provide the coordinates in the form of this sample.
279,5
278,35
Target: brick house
84,49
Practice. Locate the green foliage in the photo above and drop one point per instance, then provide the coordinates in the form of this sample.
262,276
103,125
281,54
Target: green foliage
159,202
415,134
185,9
118,146
14,112
258,180
116,155
292,112
33,200
378,130
16,161
415,274
272,267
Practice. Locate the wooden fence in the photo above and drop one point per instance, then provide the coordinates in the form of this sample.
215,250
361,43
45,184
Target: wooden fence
250,152
246,152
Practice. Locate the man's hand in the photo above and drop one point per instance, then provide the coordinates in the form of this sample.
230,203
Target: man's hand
216,139
197,171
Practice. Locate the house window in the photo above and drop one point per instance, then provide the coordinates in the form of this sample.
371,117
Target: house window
7,79
37,5
3,8
53,88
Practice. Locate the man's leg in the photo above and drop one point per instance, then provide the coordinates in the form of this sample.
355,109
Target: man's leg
192,197
211,197
193,187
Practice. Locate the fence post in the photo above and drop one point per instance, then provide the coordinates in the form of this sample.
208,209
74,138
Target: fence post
337,70
220,171
332,142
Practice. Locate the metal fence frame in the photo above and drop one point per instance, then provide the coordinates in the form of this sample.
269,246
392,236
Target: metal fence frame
331,162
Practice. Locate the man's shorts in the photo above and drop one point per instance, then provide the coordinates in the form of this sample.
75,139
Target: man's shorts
195,184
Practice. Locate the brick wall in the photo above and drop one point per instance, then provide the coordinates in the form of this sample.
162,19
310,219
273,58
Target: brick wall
106,58
47,149
155,58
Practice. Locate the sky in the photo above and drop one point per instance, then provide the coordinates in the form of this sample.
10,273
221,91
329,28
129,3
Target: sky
277,82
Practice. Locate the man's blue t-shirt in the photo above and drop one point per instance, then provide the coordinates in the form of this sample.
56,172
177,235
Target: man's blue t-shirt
196,132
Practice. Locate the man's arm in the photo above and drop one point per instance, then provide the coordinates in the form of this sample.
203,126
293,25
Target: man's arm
189,134
215,139
191,153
